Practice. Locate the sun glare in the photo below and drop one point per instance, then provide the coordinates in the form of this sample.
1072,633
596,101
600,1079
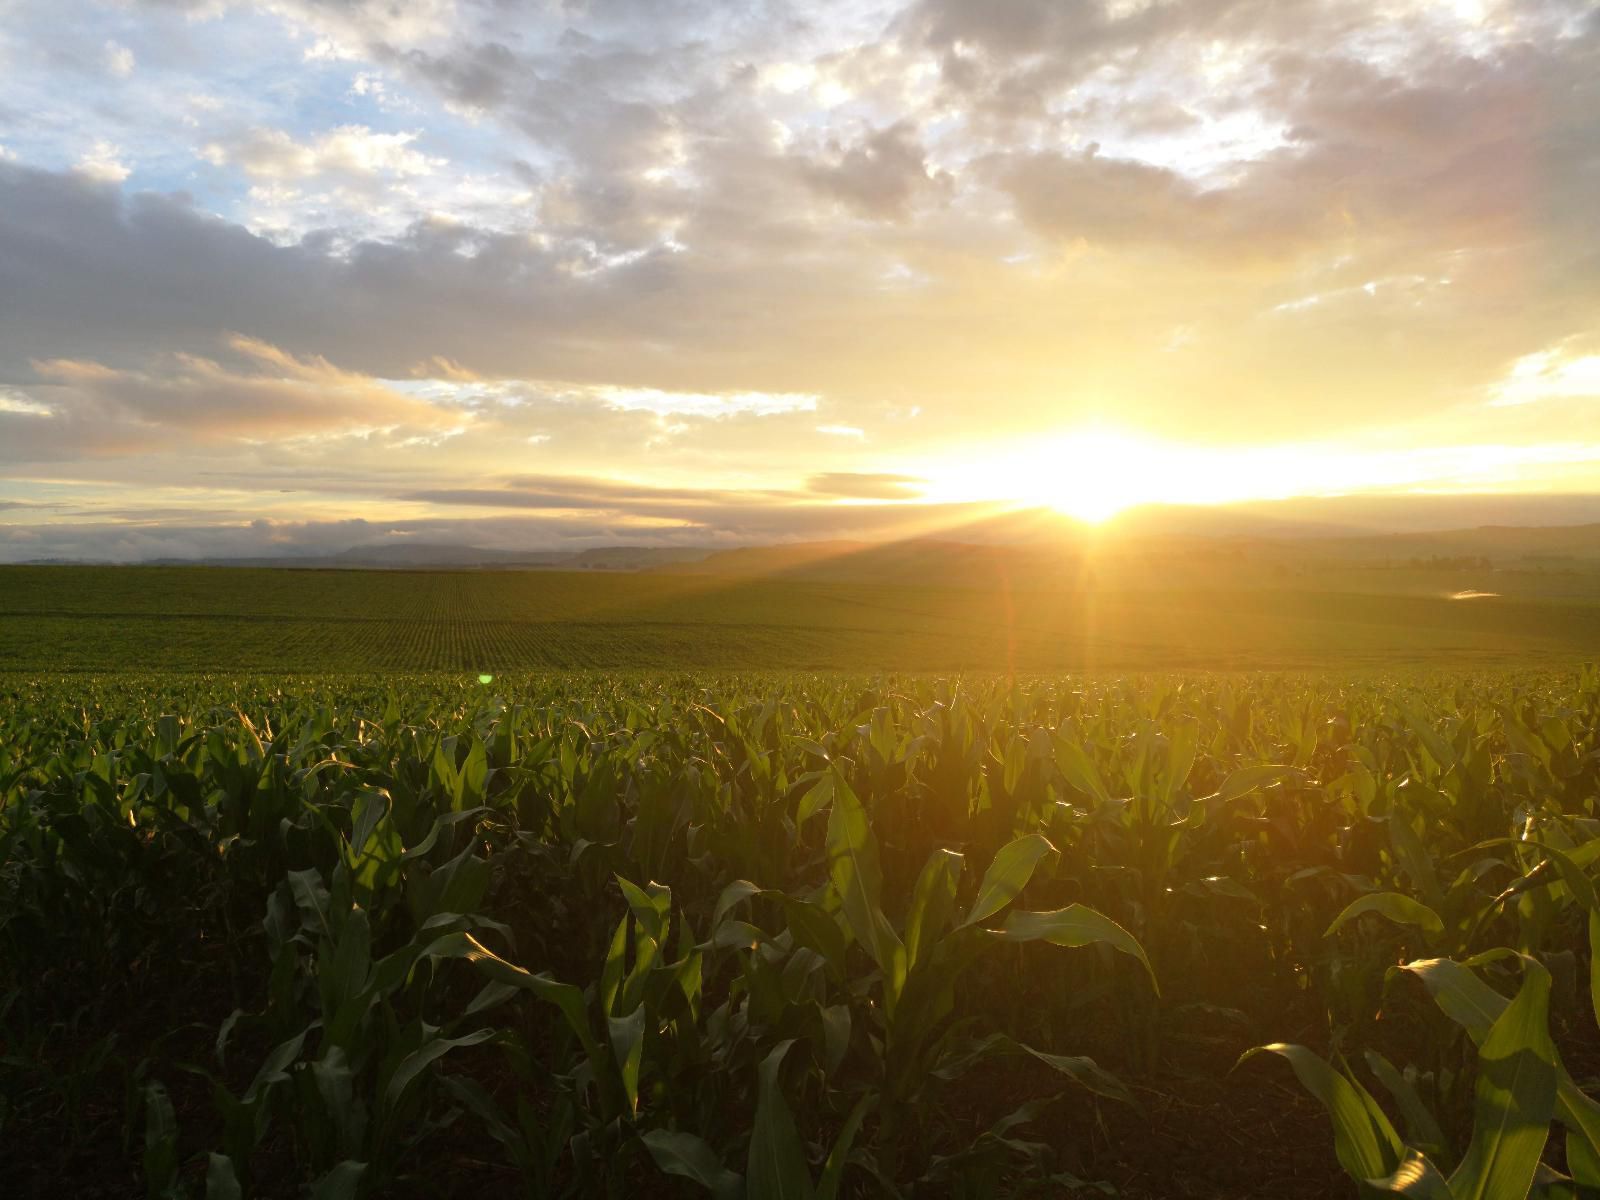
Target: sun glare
1094,474
1091,475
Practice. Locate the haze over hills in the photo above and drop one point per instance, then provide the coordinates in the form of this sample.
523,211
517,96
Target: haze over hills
1521,532
412,555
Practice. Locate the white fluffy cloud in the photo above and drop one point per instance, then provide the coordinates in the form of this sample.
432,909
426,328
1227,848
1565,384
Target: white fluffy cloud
345,150
102,162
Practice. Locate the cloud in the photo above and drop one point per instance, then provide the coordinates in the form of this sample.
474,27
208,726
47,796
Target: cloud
881,176
861,486
1103,201
103,163
703,404
704,244
264,394
119,60
345,150
1556,373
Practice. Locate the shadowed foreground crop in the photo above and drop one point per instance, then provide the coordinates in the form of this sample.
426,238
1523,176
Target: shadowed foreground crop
798,936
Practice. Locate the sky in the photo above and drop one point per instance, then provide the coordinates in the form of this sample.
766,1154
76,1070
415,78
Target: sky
536,274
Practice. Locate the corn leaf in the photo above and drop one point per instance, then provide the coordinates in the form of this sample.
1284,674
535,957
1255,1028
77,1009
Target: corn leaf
1392,906
853,866
932,902
1515,1096
1475,1006
1073,926
1422,1129
1415,1177
406,1072
1008,874
833,1168
688,1157
1358,1145
341,1183
777,1168
222,1182
627,1046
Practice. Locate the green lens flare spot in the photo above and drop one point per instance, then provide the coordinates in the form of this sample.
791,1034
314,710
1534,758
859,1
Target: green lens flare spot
485,678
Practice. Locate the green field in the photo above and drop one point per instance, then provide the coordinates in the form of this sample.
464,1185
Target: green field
802,883
790,935
231,619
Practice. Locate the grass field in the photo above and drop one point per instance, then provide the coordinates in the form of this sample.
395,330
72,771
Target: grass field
212,618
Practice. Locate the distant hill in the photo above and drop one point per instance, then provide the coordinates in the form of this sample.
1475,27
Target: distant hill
423,555
1178,544
1551,563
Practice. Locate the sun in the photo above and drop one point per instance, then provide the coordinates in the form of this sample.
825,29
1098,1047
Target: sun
1090,475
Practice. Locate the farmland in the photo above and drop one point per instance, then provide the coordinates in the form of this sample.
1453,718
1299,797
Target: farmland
219,619
798,934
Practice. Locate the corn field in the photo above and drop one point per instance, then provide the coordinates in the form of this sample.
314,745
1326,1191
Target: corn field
795,936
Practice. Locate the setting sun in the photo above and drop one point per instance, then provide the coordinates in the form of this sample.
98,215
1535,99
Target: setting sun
1088,474
1093,474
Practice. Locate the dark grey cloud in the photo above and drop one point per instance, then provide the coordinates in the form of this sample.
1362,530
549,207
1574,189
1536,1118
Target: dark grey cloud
1118,202
881,176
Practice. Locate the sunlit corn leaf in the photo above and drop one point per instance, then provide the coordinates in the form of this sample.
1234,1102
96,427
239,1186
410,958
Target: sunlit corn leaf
1363,1150
932,902
1514,1098
1416,1177
1475,1006
1073,926
817,798
853,866
615,967
1008,874
1080,770
651,906
1402,910
1422,1129
1244,780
